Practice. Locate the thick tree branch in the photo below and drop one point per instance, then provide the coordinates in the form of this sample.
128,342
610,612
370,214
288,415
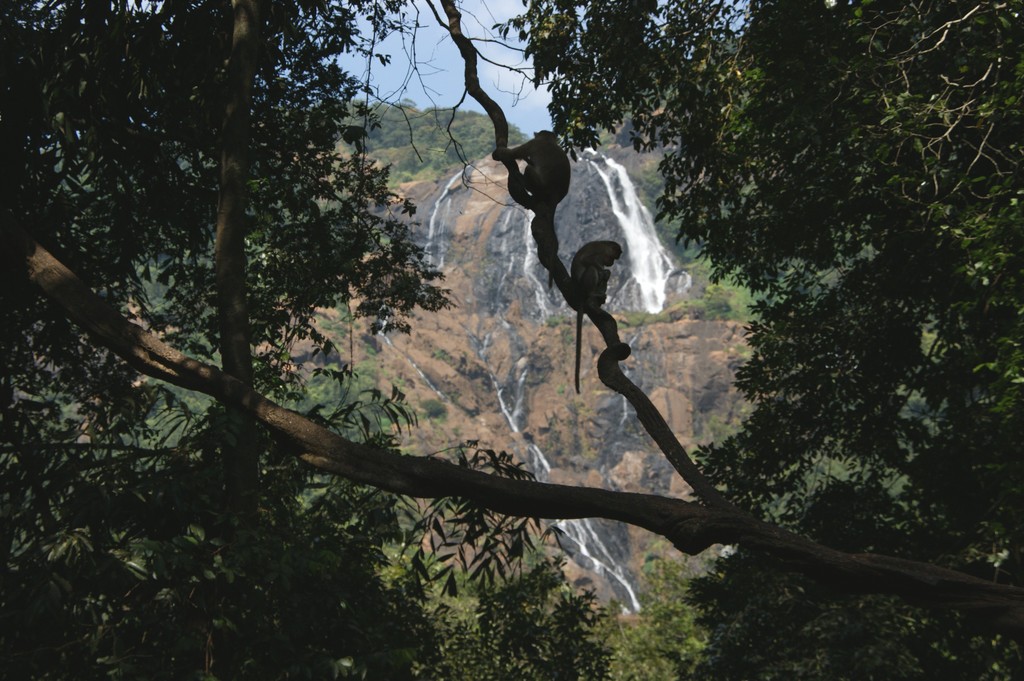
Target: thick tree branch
688,526
453,24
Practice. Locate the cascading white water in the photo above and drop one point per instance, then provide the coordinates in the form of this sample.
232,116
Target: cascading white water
581,532
416,367
649,261
439,217
585,536
515,256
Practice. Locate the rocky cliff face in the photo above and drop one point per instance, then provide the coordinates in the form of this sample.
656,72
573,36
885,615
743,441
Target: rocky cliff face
498,368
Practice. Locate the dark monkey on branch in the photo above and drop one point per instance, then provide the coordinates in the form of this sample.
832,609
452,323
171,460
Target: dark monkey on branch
590,273
546,178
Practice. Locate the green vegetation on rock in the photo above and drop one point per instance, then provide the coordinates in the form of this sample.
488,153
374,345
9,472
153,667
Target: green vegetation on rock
431,143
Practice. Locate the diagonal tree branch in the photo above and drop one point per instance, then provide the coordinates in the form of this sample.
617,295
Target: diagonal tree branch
688,526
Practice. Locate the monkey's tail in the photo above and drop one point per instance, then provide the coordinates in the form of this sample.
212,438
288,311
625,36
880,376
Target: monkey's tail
579,347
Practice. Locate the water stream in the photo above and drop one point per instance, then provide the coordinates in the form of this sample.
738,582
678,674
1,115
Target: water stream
650,268
529,258
437,391
581,532
440,223
649,262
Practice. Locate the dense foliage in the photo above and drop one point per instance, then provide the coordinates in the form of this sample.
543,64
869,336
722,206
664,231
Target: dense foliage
858,165
663,642
533,628
119,557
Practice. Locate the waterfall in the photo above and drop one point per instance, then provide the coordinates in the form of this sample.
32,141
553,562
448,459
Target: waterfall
585,536
649,261
581,532
437,391
506,272
439,223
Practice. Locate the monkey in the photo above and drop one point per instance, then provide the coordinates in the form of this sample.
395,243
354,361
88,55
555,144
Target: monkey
540,188
590,273
547,174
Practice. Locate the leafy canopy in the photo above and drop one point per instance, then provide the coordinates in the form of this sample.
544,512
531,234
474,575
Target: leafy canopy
119,558
858,166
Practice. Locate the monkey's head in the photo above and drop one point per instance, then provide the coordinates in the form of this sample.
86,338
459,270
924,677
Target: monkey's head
613,253
607,253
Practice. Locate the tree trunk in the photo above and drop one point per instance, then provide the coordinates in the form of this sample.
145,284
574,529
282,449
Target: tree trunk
239,445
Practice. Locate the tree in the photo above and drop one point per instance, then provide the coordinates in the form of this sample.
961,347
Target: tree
120,557
664,641
508,634
702,97
147,532
858,167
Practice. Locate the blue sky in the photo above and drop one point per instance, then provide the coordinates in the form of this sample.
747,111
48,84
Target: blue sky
427,68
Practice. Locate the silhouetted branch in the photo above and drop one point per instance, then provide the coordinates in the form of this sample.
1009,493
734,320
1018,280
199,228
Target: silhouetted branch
543,230
690,527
